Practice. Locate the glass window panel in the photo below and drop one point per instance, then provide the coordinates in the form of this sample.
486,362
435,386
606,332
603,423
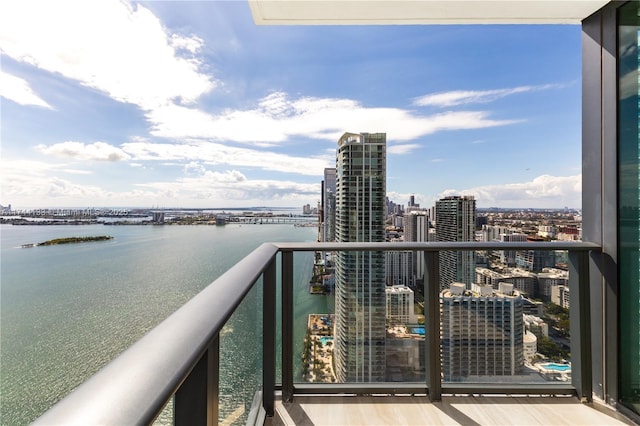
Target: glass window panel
629,200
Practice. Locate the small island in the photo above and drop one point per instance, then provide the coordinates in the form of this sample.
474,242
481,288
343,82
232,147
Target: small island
69,240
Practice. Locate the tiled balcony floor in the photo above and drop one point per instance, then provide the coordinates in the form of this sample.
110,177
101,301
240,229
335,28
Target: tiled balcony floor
453,410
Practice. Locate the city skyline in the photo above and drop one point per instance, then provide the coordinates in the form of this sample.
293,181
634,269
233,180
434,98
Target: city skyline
190,104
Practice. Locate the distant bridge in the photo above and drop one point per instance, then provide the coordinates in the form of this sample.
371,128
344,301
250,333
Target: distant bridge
263,220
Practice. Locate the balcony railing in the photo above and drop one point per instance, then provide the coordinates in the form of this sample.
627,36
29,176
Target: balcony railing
180,357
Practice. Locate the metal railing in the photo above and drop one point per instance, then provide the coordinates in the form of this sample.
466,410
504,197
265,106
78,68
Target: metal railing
180,357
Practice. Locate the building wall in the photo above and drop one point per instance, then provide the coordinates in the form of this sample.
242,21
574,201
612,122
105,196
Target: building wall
400,305
481,335
400,268
560,295
456,220
416,228
329,205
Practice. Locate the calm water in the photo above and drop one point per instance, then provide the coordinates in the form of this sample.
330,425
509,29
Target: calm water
67,310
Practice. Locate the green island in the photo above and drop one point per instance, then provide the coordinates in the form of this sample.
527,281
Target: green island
69,240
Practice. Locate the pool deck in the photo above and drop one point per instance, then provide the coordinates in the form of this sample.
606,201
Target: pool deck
320,353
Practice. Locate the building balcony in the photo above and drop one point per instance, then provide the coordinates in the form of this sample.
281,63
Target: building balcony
178,372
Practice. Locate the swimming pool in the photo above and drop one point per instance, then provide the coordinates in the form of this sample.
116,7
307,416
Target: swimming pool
326,339
417,330
556,367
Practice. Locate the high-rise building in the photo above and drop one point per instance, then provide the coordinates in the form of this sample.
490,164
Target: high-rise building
535,260
550,278
329,205
456,221
359,351
400,268
508,257
416,228
482,331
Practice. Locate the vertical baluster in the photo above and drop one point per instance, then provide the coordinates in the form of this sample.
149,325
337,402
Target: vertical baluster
269,339
580,318
432,324
287,326
196,401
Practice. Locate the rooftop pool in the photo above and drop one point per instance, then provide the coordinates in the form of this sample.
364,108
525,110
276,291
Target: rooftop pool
326,339
417,330
562,368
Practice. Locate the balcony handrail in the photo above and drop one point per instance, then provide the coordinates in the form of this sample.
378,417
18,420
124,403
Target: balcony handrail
577,246
135,386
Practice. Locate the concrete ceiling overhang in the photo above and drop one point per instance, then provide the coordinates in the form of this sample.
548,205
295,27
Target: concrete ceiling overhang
416,12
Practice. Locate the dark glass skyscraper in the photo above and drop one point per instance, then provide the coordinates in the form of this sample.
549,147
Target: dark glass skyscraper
360,334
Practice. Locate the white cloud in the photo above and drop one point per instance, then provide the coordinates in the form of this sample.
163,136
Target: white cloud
112,46
194,168
28,183
18,90
542,191
437,160
35,181
196,153
125,52
461,97
233,186
191,44
76,171
277,119
28,191
402,149
213,153
99,151
17,167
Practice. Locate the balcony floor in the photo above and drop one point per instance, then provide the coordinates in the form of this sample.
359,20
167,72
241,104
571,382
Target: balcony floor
453,410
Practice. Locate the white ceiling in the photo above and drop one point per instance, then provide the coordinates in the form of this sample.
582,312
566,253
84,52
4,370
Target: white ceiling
407,12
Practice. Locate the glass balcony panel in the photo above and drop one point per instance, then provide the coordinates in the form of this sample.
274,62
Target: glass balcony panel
165,418
405,330
388,310
241,359
313,313
510,325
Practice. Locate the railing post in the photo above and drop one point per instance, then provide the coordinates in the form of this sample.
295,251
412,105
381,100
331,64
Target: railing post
269,339
579,323
287,326
196,401
432,325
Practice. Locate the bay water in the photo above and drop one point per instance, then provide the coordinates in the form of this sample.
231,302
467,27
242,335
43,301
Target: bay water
67,310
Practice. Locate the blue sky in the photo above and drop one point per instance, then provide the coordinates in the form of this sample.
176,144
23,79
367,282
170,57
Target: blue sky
190,104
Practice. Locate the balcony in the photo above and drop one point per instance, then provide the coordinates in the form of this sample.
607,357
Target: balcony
179,362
